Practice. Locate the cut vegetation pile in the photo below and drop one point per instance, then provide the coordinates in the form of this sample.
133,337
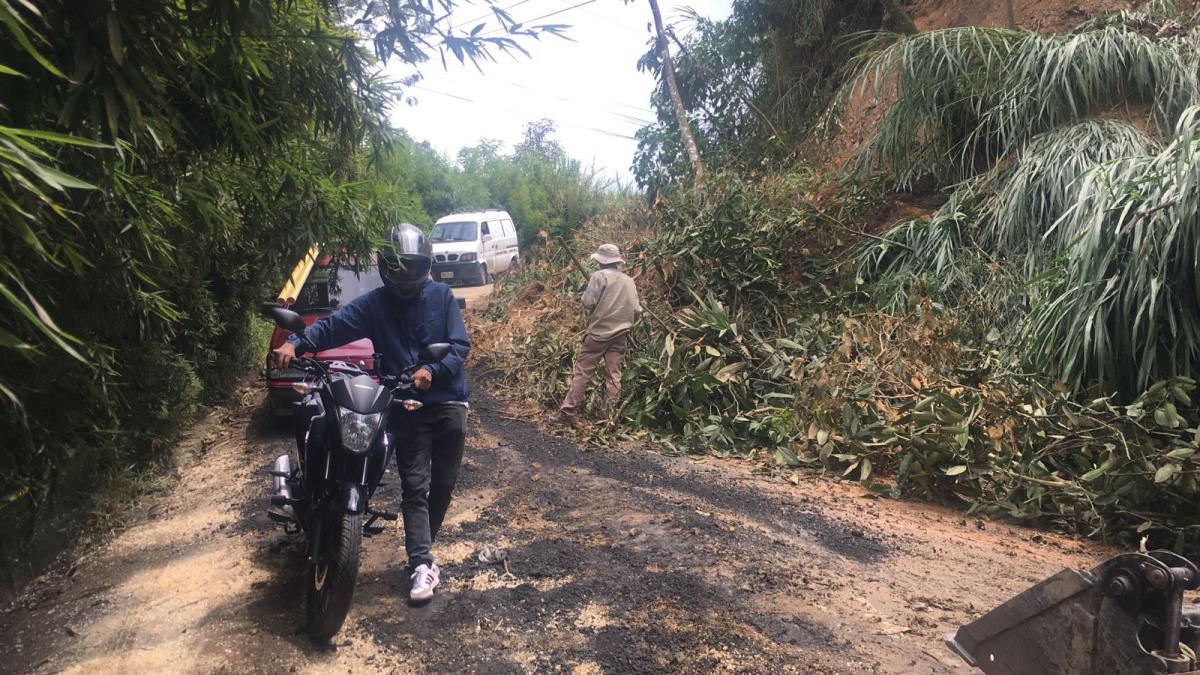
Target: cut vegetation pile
1026,349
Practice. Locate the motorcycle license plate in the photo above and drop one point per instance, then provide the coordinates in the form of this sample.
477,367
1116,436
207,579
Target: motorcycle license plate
447,275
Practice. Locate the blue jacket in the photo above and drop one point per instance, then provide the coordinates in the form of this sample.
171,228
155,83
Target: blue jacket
398,329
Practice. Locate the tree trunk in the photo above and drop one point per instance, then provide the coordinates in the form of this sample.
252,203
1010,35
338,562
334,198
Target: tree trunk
903,23
668,69
742,90
1012,14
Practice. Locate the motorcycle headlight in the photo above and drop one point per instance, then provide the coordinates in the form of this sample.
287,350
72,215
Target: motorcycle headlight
467,257
358,430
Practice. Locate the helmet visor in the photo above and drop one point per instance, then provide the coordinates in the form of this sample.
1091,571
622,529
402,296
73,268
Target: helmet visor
408,240
404,269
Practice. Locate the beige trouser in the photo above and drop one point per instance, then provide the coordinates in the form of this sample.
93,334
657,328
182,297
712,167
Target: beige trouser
613,353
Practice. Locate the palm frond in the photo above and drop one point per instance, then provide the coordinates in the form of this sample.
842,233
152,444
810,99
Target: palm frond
963,98
1029,194
1055,80
935,81
1126,308
920,252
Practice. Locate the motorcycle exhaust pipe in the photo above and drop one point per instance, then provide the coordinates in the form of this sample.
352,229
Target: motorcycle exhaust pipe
280,474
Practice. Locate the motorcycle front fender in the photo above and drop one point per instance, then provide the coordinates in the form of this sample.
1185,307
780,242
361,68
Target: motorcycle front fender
352,498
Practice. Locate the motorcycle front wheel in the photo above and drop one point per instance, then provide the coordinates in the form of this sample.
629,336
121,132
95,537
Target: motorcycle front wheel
331,578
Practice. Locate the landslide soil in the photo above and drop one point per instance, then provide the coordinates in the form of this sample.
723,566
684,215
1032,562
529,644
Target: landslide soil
621,561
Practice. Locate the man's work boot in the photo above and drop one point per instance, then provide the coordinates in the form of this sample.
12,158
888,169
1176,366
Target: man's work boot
565,419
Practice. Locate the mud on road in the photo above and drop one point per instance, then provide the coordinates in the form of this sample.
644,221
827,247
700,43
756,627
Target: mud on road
620,561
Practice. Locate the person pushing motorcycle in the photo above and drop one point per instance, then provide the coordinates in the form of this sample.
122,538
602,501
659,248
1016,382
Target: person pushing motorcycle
408,312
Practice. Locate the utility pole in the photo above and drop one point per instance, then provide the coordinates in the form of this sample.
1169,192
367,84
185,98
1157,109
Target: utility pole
668,71
1012,14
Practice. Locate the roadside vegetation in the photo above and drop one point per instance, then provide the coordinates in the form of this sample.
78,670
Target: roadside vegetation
990,300
543,188
162,166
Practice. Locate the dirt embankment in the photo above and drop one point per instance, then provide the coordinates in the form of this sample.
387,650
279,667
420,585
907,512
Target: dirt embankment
1043,16
864,109
621,562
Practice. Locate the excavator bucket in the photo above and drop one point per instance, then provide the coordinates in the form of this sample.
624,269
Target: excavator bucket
1124,616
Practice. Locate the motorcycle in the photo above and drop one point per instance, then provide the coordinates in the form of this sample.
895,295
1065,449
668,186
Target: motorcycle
342,451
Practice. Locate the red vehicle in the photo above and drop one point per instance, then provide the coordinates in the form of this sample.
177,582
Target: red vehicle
329,286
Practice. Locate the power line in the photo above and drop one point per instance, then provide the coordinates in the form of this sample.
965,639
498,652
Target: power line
573,101
568,100
547,16
561,98
596,105
520,113
488,15
614,22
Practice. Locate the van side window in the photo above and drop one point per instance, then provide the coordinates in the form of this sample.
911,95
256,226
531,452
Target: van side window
483,229
509,231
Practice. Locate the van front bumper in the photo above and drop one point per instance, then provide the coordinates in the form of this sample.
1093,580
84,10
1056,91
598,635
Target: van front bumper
456,271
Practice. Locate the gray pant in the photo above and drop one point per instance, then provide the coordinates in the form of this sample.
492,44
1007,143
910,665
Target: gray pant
612,351
429,449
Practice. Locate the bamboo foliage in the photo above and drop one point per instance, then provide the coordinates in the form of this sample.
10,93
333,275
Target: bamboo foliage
162,165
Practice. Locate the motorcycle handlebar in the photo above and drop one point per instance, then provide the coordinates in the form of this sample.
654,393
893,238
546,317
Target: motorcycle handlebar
307,364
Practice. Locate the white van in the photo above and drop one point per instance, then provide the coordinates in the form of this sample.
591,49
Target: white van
470,247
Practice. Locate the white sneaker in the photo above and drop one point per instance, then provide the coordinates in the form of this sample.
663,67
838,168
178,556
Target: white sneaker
424,580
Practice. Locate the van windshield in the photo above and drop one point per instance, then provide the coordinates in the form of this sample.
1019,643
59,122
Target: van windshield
332,286
464,231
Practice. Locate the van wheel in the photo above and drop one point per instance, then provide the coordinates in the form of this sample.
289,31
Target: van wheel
514,266
484,279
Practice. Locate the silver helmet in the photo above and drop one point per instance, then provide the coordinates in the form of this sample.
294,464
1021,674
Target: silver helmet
405,260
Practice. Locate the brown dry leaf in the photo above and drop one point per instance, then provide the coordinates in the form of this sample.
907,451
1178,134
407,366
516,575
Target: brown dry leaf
889,413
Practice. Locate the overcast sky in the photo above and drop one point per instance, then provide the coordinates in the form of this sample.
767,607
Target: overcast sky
590,87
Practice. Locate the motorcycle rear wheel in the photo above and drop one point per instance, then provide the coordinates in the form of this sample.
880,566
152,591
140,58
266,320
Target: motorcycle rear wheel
331,581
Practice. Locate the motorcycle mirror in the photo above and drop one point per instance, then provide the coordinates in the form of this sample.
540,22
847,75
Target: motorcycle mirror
287,319
435,352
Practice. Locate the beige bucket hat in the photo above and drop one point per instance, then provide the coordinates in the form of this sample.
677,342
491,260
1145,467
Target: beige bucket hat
607,254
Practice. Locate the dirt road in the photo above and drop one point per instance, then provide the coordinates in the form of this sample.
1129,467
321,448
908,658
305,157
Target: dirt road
621,562
476,296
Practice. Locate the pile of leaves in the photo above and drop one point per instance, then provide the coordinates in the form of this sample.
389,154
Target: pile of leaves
748,349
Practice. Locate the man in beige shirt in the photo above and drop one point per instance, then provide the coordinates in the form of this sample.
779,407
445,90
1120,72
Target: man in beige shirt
612,299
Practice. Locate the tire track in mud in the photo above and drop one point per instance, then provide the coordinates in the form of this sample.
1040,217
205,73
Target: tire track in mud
621,562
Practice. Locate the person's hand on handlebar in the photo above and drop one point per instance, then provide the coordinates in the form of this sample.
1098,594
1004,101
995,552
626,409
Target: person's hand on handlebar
422,379
282,356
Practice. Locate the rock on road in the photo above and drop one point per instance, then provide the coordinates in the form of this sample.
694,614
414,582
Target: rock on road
621,562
